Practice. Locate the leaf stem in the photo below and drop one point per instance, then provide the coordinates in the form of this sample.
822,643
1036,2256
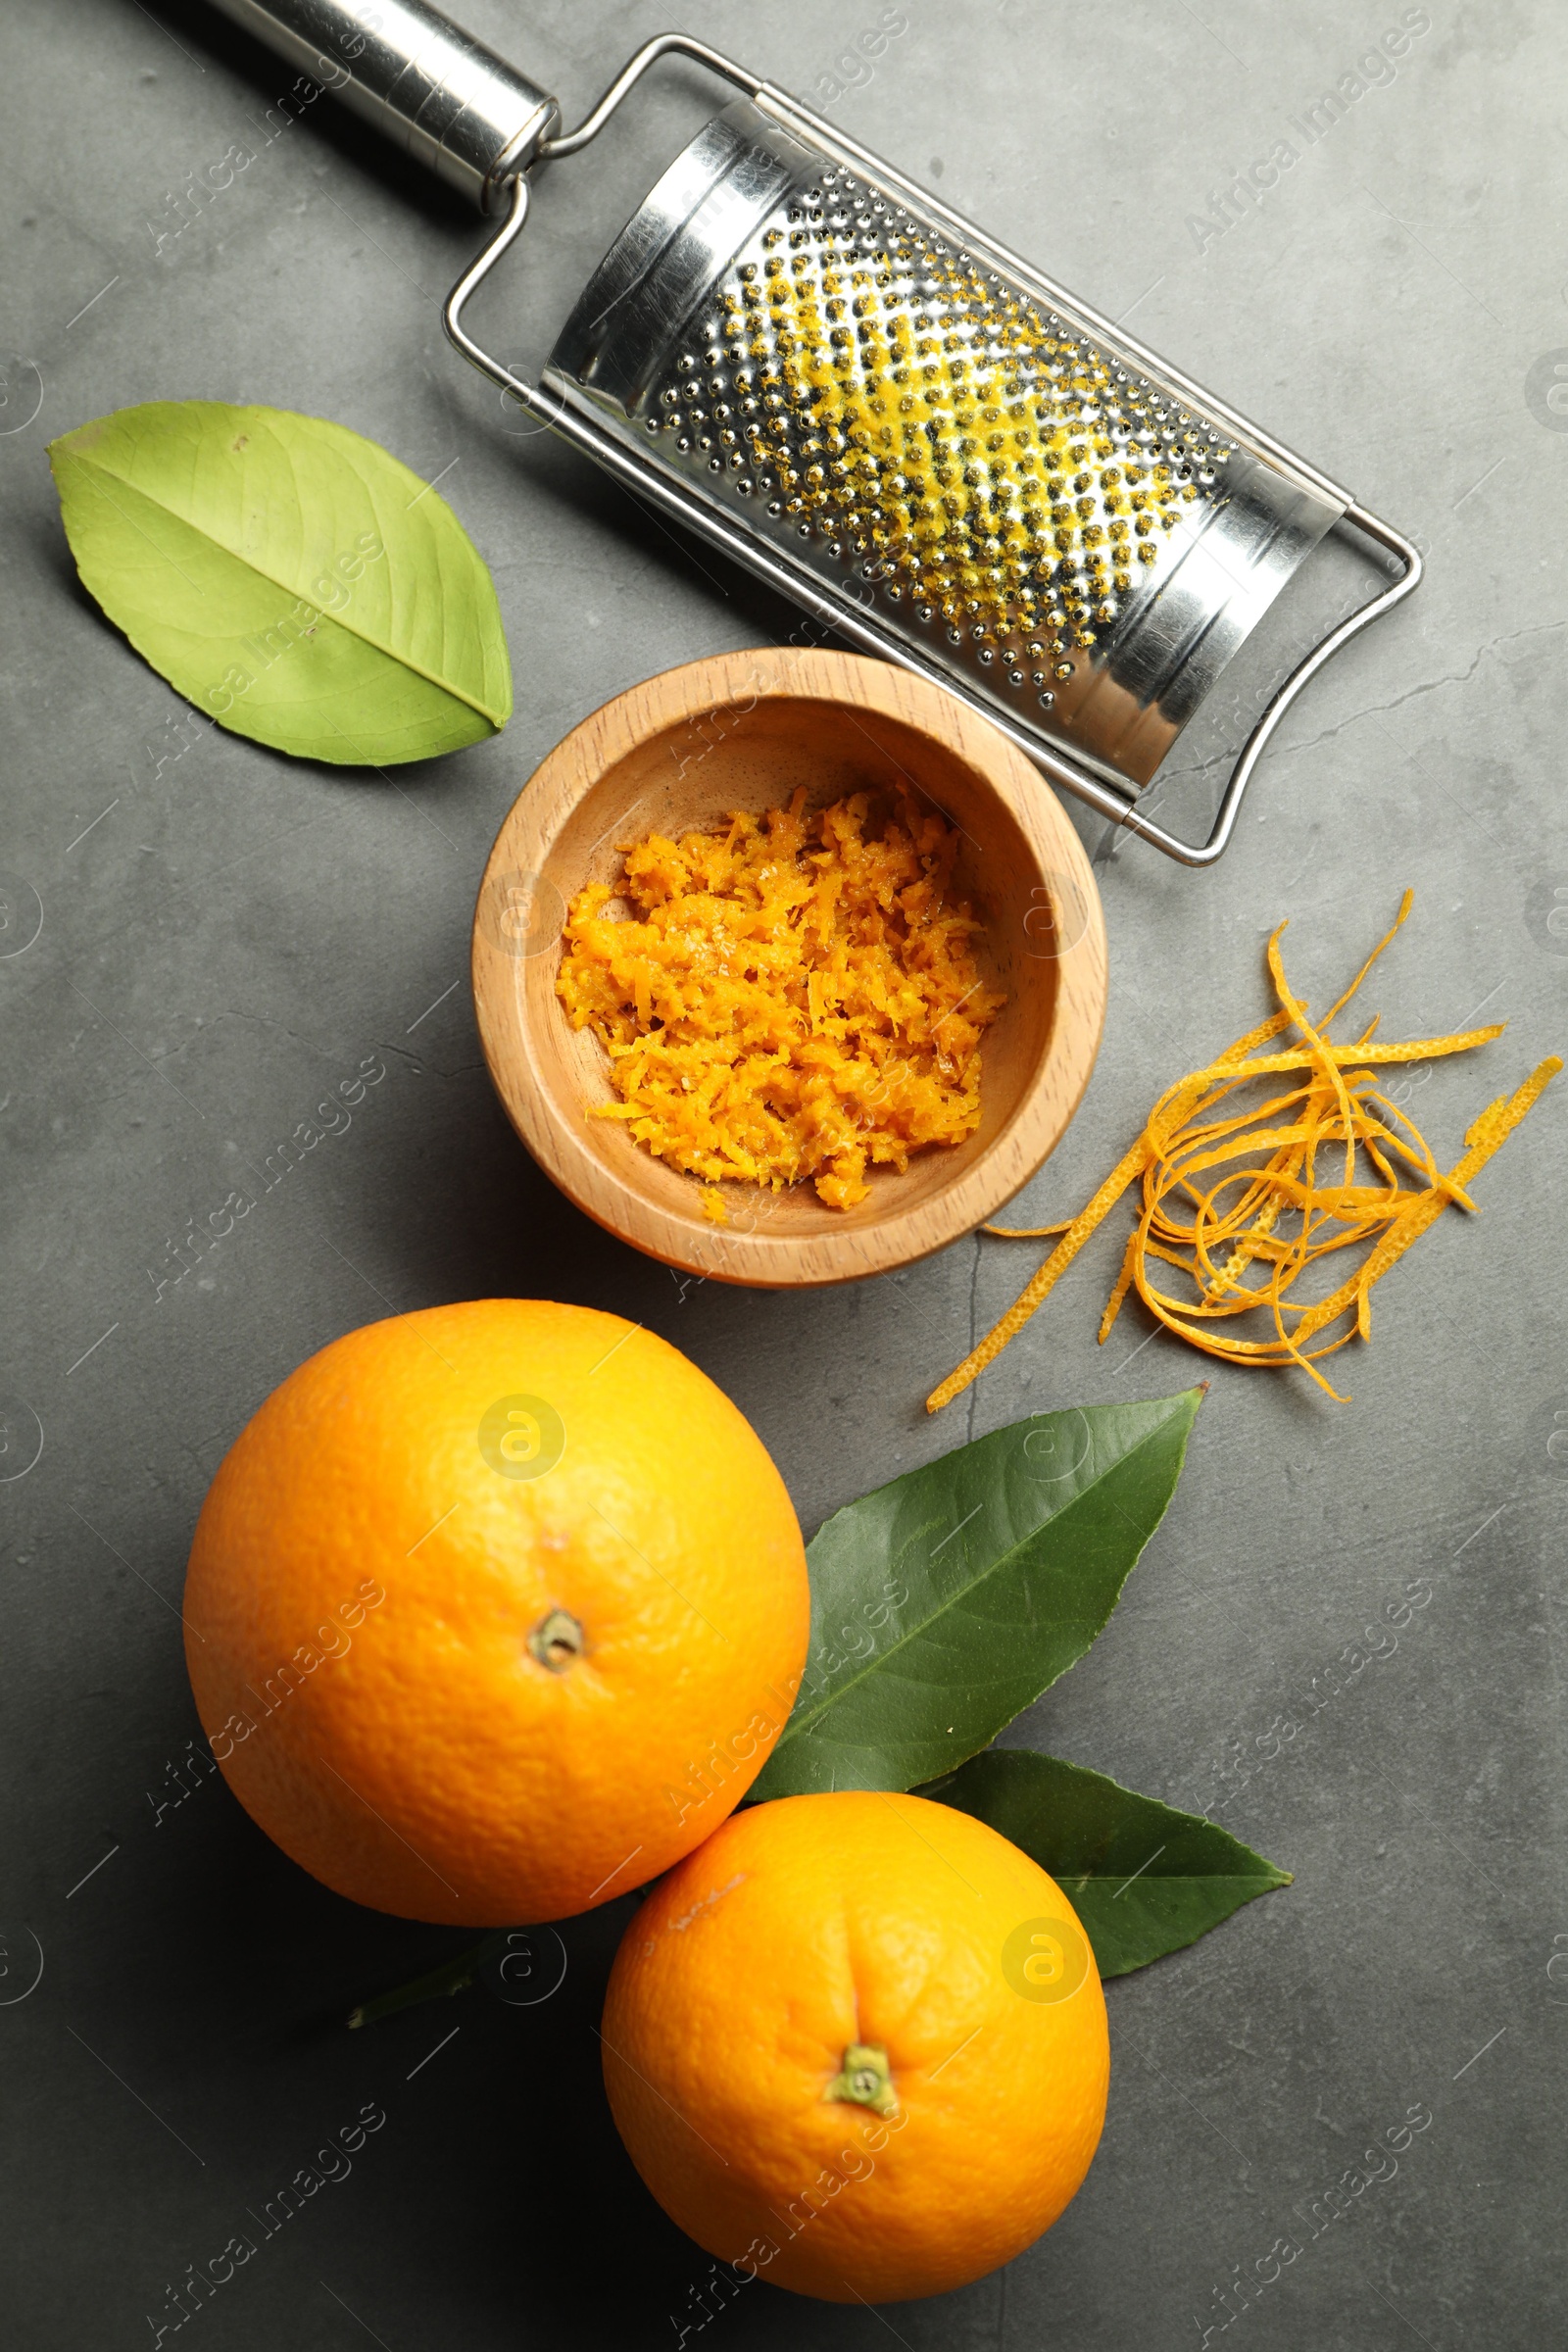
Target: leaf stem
453,1976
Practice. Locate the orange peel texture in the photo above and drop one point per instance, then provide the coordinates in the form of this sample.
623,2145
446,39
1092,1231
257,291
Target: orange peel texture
1243,1195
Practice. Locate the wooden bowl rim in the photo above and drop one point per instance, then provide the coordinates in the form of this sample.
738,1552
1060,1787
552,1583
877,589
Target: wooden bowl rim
566,776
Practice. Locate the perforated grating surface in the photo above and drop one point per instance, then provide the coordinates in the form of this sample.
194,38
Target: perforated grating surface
915,418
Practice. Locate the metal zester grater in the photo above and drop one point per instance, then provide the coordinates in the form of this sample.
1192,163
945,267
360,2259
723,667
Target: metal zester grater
931,447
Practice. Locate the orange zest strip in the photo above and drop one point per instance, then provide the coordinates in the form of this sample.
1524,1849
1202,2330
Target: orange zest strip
1124,1281
1484,1136
1027,1233
1421,1049
1234,1203
1044,1282
1397,925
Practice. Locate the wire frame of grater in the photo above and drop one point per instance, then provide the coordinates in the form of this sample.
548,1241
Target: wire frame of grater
1015,503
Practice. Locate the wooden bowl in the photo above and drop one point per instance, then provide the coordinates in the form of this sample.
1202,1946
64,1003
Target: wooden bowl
743,731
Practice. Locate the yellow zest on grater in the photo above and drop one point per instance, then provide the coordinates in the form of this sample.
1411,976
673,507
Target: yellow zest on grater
936,451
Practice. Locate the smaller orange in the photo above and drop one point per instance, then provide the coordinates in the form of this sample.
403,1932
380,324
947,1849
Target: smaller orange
856,2044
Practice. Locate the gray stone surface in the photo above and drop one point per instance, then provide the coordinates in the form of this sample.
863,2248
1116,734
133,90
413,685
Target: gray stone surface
225,934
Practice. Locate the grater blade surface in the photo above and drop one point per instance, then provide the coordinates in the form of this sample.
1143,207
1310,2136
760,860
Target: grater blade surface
910,426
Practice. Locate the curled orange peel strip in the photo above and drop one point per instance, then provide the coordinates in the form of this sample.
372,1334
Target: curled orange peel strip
1187,1224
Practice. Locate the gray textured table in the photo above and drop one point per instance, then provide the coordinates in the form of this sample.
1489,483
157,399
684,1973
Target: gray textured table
225,934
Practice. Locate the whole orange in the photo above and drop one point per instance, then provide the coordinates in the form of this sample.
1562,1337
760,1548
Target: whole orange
494,1611
857,2045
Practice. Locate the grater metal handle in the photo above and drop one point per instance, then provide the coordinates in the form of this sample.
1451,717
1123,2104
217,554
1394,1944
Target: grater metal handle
443,97
448,101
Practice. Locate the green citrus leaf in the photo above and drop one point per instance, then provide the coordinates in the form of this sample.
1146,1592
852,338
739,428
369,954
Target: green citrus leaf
289,578
945,1602
1144,1878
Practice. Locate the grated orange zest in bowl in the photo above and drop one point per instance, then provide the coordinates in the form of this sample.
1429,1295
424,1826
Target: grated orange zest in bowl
794,996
